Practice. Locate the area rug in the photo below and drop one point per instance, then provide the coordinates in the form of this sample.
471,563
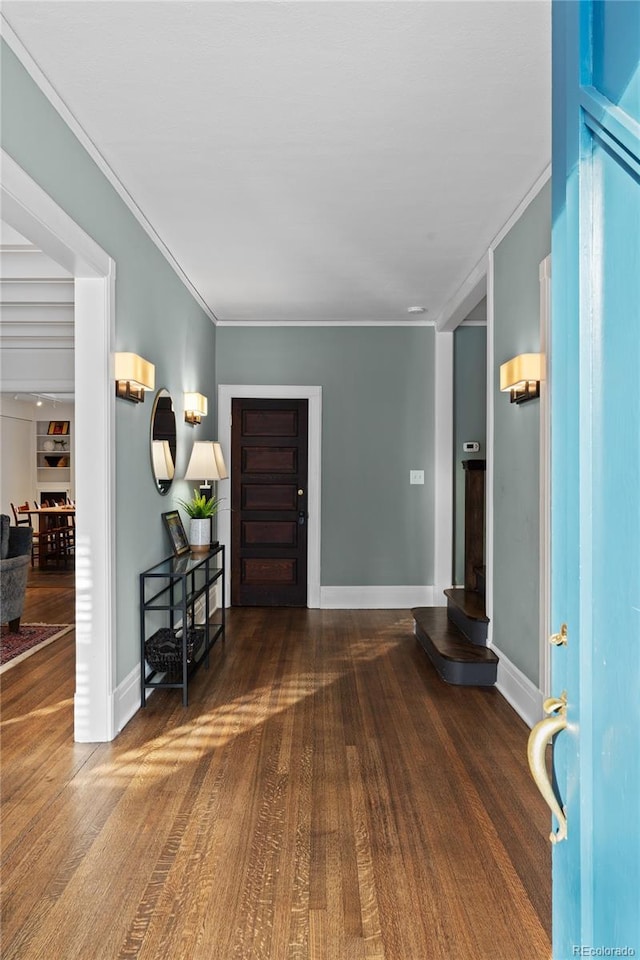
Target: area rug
15,647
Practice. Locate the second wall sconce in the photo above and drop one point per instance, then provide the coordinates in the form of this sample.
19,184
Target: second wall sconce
195,407
133,375
521,377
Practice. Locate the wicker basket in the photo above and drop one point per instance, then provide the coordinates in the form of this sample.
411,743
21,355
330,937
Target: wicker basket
163,650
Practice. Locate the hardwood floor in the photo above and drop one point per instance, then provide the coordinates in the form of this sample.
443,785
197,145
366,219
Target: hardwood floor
324,797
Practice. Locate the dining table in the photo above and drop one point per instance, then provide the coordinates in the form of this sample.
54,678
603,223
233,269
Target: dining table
55,531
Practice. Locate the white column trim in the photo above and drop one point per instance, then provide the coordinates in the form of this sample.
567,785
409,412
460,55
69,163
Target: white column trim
489,538
95,529
226,392
31,211
443,467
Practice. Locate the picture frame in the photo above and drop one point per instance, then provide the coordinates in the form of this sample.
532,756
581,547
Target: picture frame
59,427
176,531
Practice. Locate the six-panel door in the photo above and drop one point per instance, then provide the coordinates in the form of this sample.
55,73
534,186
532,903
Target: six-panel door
269,502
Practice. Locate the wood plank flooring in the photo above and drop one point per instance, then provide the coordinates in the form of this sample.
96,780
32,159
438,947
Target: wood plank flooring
324,797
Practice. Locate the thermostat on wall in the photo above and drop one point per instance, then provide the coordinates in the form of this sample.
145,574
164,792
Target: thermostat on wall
471,446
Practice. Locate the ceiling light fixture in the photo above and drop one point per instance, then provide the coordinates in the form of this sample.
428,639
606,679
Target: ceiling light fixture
416,309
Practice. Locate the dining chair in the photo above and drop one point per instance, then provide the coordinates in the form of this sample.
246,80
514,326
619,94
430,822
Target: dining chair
50,536
20,521
24,520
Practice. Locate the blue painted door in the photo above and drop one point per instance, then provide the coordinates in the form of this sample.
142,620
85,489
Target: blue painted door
595,389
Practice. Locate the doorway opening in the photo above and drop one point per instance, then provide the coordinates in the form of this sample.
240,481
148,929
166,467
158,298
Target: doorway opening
313,394
32,212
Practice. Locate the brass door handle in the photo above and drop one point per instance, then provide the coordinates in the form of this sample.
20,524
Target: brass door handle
536,750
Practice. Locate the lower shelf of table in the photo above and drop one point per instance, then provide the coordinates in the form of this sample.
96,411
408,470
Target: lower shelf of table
200,654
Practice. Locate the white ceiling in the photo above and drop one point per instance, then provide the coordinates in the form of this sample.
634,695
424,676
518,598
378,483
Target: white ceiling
310,161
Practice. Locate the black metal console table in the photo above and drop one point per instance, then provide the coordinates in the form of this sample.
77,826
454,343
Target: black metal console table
169,656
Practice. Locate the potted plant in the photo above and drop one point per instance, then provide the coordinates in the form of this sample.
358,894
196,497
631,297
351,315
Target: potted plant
200,509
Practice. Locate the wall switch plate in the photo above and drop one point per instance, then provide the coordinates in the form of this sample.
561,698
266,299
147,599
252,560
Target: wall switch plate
471,446
416,476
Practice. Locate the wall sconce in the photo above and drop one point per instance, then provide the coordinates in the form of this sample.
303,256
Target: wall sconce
521,376
133,376
195,407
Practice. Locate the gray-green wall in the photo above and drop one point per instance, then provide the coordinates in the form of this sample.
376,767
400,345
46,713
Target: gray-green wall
377,425
155,317
516,493
469,421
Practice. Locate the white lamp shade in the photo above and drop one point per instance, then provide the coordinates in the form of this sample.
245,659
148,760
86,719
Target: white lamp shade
217,452
163,467
202,463
135,370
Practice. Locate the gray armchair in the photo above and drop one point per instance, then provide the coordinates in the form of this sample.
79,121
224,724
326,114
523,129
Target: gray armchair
15,553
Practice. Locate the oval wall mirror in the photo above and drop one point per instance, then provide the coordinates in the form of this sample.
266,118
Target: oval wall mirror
163,441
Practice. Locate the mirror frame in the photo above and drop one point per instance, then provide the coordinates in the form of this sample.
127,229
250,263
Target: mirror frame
160,432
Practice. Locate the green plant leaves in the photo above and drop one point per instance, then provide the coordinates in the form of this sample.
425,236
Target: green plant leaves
199,507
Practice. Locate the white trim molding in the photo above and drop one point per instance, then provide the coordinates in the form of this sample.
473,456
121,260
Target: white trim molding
466,297
443,467
528,198
226,393
325,323
127,698
488,495
376,598
518,690
545,479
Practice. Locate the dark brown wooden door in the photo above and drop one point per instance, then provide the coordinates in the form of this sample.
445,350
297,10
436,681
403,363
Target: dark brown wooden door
269,502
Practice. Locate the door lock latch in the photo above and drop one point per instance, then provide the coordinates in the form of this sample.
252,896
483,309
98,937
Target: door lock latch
560,639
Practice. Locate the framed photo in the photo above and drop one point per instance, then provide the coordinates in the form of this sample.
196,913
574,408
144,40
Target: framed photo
60,427
176,532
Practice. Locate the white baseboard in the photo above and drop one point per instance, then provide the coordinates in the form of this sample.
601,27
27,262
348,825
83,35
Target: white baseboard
518,690
375,598
127,698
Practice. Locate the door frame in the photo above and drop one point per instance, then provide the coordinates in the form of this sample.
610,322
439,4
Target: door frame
227,393
31,211
544,682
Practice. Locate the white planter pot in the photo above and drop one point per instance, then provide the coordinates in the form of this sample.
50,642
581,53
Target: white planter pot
200,534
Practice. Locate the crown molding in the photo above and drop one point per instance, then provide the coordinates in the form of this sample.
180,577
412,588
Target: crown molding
325,323
528,198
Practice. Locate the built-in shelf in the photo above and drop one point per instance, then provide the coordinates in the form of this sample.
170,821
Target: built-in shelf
54,454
